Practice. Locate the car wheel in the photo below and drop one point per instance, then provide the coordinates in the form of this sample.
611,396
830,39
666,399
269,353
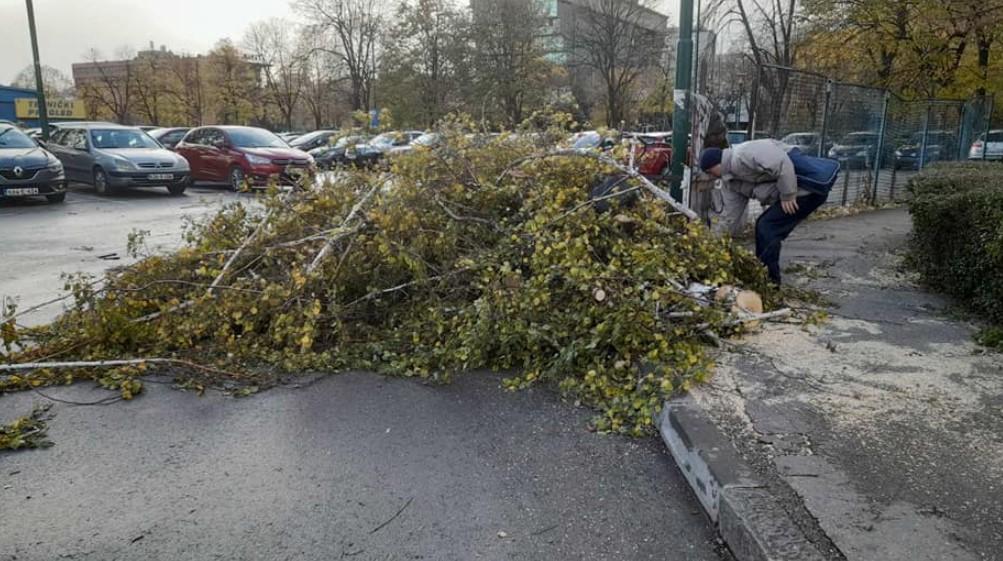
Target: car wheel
56,197
101,184
177,189
236,179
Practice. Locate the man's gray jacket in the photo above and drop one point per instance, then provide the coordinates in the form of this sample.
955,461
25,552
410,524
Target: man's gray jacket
760,169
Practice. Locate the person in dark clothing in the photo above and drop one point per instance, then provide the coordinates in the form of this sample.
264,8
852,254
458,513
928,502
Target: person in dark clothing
766,170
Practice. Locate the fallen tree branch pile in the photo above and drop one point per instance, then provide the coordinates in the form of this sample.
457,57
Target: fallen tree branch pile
449,262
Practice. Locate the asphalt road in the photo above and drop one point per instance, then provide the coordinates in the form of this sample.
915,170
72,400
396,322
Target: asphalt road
321,473
88,233
350,466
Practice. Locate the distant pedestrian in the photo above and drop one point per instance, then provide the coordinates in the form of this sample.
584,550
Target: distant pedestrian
789,184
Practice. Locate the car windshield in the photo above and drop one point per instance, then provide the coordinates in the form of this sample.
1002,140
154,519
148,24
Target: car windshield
587,140
799,139
308,138
255,138
386,139
427,139
995,136
122,138
13,138
859,138
346,140
737,137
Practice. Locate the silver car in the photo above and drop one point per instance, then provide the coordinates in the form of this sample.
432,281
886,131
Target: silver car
115,157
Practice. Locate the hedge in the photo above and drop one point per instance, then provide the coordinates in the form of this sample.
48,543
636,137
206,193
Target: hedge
957,243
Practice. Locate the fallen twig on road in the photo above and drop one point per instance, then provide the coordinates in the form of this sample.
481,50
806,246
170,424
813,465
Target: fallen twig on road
392,518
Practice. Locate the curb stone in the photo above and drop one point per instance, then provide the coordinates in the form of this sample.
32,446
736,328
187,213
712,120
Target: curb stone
749,519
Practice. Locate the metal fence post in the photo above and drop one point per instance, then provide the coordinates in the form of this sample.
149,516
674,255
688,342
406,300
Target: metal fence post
879,158
959,153
891,191
825,119
926,132
989,123
846,183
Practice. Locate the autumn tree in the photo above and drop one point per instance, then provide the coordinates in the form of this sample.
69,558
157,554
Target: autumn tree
424,62
509,54
232,81
920,48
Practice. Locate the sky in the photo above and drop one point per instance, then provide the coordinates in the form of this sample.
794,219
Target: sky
67,29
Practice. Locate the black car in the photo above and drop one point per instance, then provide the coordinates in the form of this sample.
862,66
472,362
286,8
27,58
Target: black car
808,142
860,150
169,137
311,140
333,155
27,169
371,153
940,145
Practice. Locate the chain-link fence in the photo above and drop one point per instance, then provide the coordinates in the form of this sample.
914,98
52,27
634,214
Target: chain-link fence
879,138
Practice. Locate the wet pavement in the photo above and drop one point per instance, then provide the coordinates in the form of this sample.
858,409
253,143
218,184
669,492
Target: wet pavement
349,466
88,234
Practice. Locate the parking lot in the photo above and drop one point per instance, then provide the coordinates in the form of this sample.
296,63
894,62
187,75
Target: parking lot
88,234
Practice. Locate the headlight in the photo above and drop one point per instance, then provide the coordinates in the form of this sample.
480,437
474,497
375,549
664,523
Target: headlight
862,154
833,153
310,160
121,163
257,160
54,165
898,153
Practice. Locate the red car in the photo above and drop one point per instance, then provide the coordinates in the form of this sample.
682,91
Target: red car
237,155
652,152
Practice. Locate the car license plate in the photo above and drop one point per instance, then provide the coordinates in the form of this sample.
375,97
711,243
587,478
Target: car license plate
21,191
160,176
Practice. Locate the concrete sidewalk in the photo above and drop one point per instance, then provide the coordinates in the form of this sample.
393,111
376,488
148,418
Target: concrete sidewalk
883,428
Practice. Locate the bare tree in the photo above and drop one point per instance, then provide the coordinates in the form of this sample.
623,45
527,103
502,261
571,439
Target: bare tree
271,43
322,73
56,83
616,42
772,37
351,29
110,91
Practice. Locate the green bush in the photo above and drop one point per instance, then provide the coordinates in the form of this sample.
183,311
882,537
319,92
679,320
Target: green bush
957,241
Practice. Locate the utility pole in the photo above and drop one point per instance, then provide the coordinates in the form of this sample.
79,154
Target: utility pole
43,109
681,101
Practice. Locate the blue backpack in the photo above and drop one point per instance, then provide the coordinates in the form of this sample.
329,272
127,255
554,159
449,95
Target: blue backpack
817,175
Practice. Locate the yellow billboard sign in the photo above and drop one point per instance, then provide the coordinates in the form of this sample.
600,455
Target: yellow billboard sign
27,108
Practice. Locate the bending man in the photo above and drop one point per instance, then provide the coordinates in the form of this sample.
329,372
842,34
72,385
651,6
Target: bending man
789,184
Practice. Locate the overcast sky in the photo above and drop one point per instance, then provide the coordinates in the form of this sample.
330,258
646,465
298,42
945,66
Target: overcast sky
68,28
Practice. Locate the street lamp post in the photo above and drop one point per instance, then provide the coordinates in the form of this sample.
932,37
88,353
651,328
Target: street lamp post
43,109
680,109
